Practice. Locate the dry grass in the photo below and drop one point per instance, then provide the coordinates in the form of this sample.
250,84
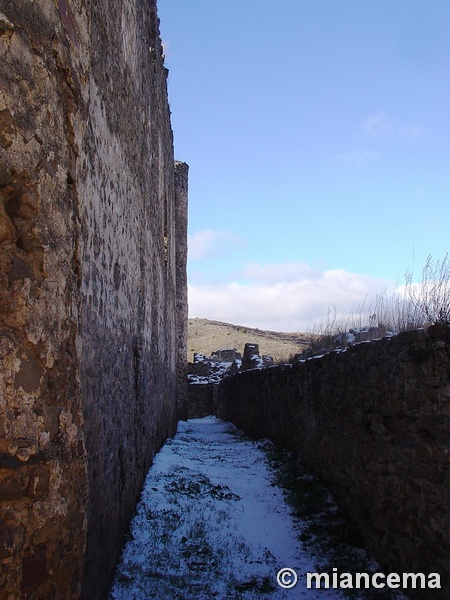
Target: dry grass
408,307
206,336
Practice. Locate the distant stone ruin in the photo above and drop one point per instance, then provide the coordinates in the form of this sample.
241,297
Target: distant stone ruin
204,375
253,360
212,369
226,355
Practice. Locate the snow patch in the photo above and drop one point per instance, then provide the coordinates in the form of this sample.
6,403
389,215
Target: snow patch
211,524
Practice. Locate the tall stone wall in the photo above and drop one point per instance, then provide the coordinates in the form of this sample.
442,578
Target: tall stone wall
374,424
181,222
91,281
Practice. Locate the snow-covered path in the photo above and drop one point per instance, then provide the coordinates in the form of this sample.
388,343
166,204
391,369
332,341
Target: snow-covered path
211,524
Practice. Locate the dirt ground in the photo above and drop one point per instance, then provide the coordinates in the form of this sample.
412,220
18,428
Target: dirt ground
206,336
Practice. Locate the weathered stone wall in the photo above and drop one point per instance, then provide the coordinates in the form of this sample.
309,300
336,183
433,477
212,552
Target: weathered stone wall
374,424
181,228
201,400
90,285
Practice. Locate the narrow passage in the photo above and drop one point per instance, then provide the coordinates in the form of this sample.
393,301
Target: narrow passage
211,524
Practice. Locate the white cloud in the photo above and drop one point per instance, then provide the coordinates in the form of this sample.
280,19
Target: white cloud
283,272
292,304
209,243
357,157
383,124
376,126
411,131
379,124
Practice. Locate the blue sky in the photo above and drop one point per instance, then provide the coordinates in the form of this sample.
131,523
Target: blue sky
318,139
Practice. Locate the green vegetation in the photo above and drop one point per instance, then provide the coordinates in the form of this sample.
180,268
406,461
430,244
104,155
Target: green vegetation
328,535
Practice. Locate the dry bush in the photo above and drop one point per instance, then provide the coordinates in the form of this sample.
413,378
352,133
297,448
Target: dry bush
412,306
431,297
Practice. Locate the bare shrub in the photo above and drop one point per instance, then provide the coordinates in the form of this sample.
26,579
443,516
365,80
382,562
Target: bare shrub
431,298
409,307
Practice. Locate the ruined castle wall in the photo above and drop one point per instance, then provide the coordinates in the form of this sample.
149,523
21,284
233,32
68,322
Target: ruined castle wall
181,227
373,423
89,285
43,468
201,400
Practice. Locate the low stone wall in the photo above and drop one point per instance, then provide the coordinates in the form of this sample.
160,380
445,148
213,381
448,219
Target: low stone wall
201,400
373,423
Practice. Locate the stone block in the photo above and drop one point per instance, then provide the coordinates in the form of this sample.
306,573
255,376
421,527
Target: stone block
38,482
30,372
34,571
11,485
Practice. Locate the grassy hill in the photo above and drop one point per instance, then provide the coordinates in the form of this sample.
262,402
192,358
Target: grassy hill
206,336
